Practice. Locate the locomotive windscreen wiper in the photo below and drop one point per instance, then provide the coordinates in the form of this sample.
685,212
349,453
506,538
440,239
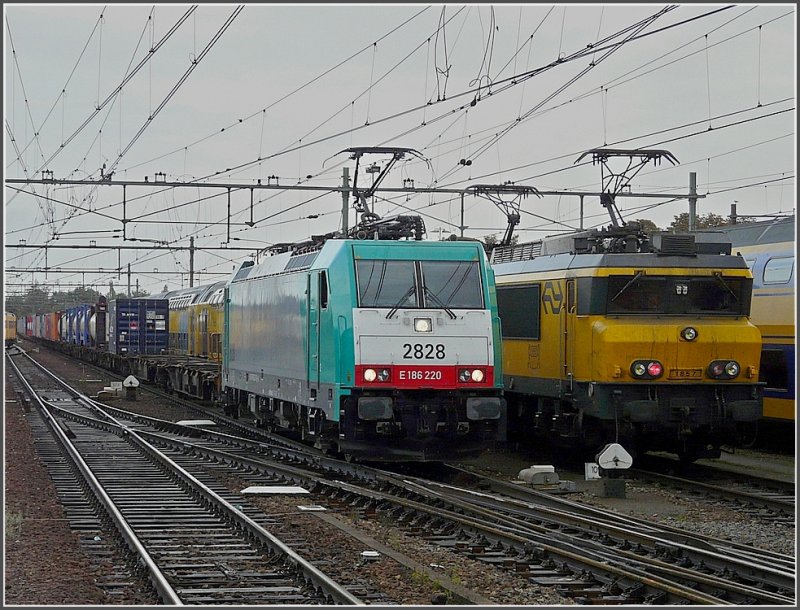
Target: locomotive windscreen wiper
634,279
394,309
438,301
720,280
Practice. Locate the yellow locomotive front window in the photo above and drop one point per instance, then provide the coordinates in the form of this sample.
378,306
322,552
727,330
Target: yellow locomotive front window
641,294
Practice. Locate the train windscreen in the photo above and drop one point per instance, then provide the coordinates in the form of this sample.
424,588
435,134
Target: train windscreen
713,295
395,284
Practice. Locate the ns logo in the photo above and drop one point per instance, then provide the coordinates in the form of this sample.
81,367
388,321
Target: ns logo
552,298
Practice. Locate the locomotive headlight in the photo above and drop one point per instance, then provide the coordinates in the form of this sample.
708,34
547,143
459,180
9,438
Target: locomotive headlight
370,375
477,375
383,375
724,369
689,334
464,375
639,369
732,369
423,325
647,369
716,369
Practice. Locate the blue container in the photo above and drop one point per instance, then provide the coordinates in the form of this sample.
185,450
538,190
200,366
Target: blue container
138,326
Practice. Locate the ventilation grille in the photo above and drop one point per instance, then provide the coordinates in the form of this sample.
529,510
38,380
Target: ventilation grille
520,252
679,245
302,261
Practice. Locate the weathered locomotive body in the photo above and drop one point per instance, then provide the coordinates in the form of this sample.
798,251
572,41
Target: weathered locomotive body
611,337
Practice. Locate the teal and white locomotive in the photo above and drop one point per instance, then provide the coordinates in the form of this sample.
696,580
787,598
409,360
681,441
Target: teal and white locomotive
379,349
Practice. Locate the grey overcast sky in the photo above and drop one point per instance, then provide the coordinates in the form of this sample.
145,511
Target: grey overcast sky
180,92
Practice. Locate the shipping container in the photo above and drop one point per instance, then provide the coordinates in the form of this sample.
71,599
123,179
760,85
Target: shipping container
138,326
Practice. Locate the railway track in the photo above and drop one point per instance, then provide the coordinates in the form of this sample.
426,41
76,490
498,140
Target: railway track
592,556
762,499
197,547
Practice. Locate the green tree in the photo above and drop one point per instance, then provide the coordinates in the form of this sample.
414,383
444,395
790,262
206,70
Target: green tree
710,220
648,226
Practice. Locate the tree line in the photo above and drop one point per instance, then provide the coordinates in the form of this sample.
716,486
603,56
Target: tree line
39,300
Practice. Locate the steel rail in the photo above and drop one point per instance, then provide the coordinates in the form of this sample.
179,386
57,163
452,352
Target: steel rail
774,504
655,537
528,494
600,565
316,576
165,591
488,507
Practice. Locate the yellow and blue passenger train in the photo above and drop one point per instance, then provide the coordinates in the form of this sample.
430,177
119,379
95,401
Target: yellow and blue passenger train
769,249
612,336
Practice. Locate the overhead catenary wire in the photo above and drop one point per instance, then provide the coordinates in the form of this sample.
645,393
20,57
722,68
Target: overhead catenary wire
168,204
118,88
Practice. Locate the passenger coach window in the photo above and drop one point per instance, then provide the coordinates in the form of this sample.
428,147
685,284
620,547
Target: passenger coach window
774,370
455,284
778,270
386,283
518,307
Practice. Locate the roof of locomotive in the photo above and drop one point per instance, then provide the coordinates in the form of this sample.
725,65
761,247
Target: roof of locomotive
322,257
635,260
625,246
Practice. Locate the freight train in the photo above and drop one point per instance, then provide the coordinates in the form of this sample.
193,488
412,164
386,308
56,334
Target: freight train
377,349
613,336
769,249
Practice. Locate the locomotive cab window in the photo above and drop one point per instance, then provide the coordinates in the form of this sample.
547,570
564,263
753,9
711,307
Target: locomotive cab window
410,284
640,294
518,308
383,283
323,290
452,284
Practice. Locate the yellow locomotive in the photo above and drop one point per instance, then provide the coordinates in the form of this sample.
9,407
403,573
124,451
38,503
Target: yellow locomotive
611,336
10,333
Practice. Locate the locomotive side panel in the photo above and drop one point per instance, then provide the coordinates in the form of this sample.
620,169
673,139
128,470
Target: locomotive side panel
268,337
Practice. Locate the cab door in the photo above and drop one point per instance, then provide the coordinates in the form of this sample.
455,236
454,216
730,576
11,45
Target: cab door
313,362
568,333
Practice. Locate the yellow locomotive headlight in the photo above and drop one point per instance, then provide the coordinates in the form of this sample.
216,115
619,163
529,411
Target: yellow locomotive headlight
647,369
477,375
689,334
370,375
732,369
